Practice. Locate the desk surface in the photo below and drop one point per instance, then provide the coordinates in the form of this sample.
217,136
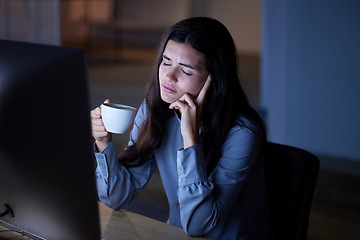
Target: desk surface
123,225
128,225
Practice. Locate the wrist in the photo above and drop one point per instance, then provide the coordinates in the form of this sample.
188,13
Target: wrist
189,142
102,143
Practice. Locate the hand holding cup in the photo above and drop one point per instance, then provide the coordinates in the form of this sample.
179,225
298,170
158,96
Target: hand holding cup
117,118
116,124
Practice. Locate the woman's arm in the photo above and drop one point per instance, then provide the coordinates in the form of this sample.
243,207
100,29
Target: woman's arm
116,184
204,200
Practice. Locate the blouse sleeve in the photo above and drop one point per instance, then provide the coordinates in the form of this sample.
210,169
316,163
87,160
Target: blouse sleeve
116,184
203,199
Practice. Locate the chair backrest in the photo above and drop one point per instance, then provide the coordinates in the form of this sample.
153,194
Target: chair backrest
291,174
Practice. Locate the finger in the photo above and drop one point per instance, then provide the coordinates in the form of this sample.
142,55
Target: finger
176,105
96,113
97,122
187,99
98,110
179,104
201,97
99,130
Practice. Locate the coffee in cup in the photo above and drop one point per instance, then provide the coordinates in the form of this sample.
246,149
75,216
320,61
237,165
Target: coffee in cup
117,118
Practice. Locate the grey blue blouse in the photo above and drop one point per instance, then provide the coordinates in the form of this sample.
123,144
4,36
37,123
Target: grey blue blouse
230,203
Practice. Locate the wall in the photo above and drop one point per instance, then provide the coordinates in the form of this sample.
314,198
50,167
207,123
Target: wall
311,75
242,17
30,20
127,13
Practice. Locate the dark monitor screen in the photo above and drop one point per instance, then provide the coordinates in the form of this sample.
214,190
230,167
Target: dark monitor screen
46,161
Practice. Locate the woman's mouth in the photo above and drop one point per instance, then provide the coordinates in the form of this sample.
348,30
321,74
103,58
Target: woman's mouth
168,89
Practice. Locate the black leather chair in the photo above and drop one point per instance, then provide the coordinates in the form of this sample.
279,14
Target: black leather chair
291,174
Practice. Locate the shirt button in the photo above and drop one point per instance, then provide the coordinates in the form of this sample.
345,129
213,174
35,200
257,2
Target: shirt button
180,181
180,168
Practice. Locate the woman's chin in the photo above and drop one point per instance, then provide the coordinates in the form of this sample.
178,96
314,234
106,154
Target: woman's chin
168,99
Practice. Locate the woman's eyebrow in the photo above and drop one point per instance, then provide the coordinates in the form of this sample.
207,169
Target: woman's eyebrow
186,65
182,64
167,58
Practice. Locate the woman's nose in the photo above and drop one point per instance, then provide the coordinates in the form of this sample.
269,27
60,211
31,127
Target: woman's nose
171,75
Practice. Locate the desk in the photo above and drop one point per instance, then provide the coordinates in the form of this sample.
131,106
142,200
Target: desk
123,225
128,225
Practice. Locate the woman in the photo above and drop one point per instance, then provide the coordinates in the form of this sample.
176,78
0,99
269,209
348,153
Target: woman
197,127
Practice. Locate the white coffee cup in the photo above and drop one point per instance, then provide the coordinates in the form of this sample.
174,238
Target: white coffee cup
117,118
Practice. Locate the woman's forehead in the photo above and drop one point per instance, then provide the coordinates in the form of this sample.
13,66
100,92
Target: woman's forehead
183,52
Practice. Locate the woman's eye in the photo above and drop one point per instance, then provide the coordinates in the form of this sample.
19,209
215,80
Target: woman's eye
166,64
186,73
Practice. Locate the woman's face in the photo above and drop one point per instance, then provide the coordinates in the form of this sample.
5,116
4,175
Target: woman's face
181,71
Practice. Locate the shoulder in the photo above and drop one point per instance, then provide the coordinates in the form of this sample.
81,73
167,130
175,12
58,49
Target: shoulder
142,108
244,125
243,134
242,147
141,114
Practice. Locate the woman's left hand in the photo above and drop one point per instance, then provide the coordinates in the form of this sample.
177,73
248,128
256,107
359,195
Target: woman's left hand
191,110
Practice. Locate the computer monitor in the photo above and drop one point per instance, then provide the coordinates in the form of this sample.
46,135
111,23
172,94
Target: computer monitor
46,161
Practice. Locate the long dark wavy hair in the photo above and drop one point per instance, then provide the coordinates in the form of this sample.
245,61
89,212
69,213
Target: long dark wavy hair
225,99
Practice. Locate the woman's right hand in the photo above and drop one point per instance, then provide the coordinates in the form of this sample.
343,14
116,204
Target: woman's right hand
102,137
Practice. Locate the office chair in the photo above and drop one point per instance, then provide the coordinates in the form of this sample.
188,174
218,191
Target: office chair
291,174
